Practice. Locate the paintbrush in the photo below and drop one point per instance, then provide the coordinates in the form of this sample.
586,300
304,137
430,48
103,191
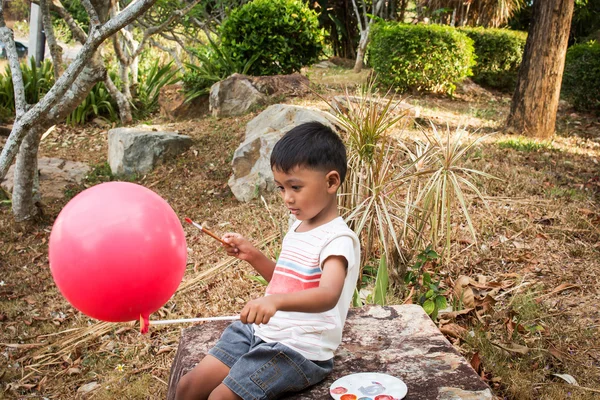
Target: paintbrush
209,233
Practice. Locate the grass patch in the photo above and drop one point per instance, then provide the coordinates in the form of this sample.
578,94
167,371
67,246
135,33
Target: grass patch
99,173
565,193
525,145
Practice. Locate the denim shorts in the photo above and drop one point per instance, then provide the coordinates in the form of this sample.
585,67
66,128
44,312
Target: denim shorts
260,370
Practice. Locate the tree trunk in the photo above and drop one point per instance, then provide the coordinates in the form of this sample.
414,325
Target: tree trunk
24,196
122,101
403,5
535,101
362,47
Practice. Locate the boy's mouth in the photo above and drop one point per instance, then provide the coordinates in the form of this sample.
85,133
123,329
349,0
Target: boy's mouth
294,211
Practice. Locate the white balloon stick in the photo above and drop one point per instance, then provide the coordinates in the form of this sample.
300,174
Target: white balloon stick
182,321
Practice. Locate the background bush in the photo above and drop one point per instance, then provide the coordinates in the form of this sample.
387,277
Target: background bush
499,53
283,35
420,57
581,79
37,82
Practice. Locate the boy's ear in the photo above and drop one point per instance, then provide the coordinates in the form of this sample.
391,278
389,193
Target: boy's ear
333,181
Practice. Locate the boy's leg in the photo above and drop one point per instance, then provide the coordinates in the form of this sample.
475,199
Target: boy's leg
200,382
222,392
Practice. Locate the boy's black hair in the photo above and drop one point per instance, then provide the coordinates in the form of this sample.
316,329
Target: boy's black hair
311,145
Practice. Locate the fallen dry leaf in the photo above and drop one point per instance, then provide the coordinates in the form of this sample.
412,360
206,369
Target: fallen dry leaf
476,362
453,330
513,348
567,378
454,314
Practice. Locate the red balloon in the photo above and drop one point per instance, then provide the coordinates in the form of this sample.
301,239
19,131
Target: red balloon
117,252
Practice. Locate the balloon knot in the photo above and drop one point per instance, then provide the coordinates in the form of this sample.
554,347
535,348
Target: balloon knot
144,324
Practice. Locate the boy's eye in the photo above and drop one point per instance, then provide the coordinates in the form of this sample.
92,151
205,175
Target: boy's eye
280,188
296,187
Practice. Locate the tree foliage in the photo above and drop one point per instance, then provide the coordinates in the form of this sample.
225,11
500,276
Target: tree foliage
283,35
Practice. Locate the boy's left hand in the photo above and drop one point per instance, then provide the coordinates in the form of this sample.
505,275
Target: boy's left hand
259,311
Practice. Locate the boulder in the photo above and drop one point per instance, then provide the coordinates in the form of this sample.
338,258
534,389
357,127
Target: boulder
240,94
138,150
251,161
172,104
399,340
55,175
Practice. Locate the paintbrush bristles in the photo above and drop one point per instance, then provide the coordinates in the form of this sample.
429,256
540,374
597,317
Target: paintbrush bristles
209,233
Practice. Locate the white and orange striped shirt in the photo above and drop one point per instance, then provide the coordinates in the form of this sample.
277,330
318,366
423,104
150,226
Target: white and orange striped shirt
299,267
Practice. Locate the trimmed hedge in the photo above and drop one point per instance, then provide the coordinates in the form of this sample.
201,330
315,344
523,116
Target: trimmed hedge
581,79
420,57
499,53
284,34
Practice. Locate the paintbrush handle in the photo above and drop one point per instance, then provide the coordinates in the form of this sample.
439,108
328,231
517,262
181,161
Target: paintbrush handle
180,321
209,233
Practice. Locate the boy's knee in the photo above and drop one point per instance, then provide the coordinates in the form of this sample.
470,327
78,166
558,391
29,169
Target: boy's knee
185,388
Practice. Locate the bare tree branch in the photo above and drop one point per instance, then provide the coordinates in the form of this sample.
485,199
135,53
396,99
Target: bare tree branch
55,49
120,98
6,35
358,15
171,52
153,30
94,19
64,83
76,30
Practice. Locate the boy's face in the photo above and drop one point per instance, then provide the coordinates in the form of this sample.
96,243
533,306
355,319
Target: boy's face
308,194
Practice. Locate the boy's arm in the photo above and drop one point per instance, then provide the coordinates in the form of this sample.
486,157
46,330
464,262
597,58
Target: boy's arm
240,247
320,299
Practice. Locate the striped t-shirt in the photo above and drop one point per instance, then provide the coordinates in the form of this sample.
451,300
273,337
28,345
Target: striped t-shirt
299,267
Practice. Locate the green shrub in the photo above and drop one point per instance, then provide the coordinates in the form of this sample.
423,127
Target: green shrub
499,53
214,64
420,57
284,35
581,79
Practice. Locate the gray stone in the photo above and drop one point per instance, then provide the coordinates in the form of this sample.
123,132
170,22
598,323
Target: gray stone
251,161
138,150
240,94
324,64
55,175
234,96
401,341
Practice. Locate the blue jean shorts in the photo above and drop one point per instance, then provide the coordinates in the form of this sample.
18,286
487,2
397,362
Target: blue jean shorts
260,370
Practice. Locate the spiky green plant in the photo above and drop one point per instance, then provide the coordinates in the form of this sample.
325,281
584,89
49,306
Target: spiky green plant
401,194
98,103
151,81
446,186
369,195
214,64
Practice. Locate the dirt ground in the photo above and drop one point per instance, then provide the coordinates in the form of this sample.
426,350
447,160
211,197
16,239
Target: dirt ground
537,257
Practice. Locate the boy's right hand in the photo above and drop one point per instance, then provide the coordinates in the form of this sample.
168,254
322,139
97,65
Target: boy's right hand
238,246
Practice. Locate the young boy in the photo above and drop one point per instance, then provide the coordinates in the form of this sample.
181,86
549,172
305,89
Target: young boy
285,340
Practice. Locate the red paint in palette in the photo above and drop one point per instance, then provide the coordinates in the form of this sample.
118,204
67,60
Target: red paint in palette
384,397
348,397
339,390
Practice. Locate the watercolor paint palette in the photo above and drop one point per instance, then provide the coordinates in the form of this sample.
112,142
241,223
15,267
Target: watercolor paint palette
368,386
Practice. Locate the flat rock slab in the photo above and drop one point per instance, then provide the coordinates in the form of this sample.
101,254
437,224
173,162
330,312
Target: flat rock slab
55,175
138,150
401,341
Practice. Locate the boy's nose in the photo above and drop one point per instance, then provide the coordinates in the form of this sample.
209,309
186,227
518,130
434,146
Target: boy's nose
289,199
